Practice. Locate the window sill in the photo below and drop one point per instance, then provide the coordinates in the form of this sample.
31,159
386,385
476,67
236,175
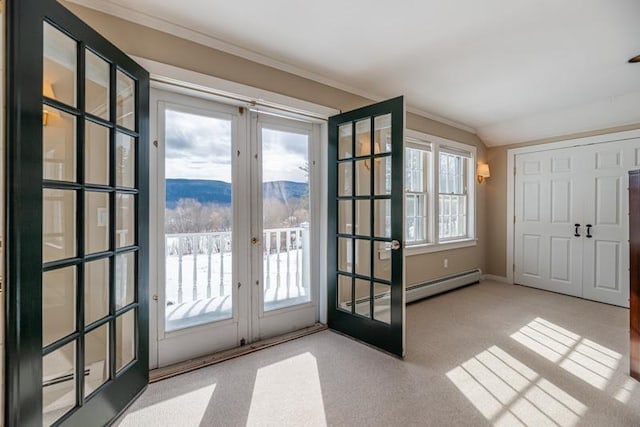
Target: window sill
428,248
438,247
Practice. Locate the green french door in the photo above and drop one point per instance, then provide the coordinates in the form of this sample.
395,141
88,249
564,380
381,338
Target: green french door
365,257
77,214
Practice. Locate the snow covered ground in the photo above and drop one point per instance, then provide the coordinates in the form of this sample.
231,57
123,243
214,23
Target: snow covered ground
206,293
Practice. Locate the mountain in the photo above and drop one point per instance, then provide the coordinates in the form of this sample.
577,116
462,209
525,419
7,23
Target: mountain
219,192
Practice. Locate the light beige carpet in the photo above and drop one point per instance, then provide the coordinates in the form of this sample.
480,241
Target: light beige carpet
488,354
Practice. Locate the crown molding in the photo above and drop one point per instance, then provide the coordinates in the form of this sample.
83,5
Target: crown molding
165,26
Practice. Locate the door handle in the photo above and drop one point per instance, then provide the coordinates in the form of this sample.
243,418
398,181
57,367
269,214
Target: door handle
589,231
395,245
577,234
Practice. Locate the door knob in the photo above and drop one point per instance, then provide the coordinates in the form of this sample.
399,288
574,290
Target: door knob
395,245
254,241
576,234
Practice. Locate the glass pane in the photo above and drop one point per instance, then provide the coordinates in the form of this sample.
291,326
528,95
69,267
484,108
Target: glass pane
382,261
363,137
344,293
58,383
125,101
345,178
96,216
198,164
59,224
382,302
285,218
58,145
382,175
125,339
345,143
96,86
363,298
125,220
125,279
382,215
96,290
363,217
363,177
382,134
363,257
58,304
345,219
344,254
96,358
96,154
59,66
414,179
125,161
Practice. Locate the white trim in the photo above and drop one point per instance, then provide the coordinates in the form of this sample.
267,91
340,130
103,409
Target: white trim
427,248
493,277
212,42
228,92
511,161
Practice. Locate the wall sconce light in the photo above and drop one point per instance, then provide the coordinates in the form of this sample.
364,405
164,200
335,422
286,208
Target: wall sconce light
483,172
47,90
366,149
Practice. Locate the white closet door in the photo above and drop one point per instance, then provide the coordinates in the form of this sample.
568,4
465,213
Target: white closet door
557,189
547,254
606,253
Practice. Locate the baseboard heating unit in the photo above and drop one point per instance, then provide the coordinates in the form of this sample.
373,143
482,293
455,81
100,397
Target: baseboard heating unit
443,284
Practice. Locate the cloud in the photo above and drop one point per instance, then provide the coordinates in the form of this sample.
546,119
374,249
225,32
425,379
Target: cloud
200,147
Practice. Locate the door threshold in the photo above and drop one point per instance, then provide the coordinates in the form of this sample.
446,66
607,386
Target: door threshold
160,374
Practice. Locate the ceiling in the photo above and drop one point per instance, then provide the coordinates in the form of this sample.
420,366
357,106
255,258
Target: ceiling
509,70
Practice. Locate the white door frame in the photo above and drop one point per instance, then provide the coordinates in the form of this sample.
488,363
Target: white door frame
163,76
265,322
511,162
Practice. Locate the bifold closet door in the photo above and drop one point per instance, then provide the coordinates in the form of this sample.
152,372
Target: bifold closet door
571,225
548,245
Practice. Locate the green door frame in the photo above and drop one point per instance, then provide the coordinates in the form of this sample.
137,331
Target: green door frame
389,337
24,213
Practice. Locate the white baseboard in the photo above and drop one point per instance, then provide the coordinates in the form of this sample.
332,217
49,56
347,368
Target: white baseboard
495,278
443,284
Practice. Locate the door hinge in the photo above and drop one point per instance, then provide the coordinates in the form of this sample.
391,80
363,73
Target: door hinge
513,267
514,219
514,171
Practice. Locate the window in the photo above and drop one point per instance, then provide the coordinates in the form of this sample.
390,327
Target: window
416,193
439,193
452,196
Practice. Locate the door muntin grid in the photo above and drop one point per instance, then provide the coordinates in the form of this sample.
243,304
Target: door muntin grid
98,228
363,192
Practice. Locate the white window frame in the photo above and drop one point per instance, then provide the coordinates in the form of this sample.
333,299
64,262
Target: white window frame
427,193
434,244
